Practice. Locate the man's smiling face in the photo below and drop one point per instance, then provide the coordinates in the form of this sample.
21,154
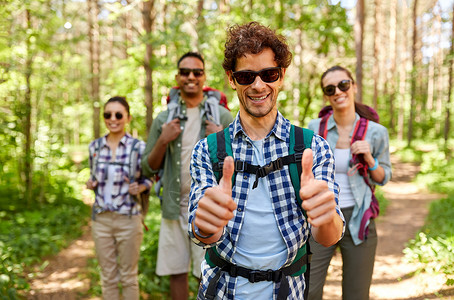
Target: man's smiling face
190,85
259,98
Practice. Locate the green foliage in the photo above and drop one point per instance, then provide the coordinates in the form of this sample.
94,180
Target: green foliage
382,201
410,155
28,236
436,172
434,245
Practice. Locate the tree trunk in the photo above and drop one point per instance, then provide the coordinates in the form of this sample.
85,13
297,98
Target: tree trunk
128,31
413,75
435,32
376,66
28,161
359,29
402,72
148,20
224,6
448,105
200,26
93,35
391,79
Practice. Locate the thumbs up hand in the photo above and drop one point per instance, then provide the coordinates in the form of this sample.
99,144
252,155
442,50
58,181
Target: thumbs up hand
215,208
317,200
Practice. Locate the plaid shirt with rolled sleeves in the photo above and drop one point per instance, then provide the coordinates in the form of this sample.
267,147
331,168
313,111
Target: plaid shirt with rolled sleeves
289,216
122,202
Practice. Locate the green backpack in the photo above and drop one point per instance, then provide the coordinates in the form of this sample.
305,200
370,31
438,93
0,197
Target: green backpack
219,145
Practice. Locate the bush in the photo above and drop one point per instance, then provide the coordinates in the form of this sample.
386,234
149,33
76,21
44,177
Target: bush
434,244
26,237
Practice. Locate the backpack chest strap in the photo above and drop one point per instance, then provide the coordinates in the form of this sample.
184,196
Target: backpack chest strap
295,269
261,171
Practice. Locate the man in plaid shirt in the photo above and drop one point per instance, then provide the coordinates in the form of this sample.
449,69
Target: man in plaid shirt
256,226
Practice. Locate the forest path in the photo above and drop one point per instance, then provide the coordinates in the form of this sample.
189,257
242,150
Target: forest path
65,277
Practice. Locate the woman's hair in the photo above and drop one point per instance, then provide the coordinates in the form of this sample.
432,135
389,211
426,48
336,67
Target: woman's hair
253,38
119,99
362,110
336,68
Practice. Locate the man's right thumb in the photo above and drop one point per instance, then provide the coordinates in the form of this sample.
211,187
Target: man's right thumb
227,172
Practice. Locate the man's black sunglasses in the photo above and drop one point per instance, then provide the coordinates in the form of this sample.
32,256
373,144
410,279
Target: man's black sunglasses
108,115
267,75
330,90
186,72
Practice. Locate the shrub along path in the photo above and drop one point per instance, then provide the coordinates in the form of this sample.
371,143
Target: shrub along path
65,275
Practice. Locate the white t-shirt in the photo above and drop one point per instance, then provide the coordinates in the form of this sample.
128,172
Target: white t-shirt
260,245
191,135
342,157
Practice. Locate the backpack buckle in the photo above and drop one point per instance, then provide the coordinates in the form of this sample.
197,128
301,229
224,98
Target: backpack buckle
298,156
240,166
272,166
217,167
257,276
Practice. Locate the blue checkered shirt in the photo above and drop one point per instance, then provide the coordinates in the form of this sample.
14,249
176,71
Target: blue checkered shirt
122,202
289,216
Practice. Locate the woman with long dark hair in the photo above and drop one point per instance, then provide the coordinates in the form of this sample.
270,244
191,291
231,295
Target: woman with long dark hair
361,152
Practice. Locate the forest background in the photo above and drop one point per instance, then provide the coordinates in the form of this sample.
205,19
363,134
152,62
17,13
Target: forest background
60,60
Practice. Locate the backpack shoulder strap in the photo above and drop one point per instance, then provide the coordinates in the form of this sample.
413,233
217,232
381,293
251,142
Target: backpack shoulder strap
323,128
133,158
360,130
219,146
174,109
212,107
300,139
95,158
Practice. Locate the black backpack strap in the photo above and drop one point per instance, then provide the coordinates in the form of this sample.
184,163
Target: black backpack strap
132,163
219,146
93,172
299,266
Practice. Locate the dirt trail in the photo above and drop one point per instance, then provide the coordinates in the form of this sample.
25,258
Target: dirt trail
64,277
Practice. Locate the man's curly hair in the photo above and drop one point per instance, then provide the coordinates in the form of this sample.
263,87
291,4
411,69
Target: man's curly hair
253,38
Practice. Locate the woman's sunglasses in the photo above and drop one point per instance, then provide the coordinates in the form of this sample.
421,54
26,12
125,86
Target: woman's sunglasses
186,72
108,115
267,75
330,90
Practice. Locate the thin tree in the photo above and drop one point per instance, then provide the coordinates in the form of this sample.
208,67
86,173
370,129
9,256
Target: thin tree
413,75
359,34
434,32
390,78
148,17
200,25
376,65
28,161
402,71
448,105
93,36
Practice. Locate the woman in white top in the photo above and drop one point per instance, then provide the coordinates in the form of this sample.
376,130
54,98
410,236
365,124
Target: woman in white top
358,204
